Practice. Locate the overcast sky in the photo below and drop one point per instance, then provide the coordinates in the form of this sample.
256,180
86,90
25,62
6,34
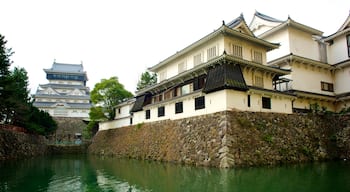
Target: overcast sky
124,38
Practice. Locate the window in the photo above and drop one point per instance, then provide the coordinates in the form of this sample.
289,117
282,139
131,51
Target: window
199,103
266,103
237,51
186,89
197,59
257,56
211,52
327,86
178,107
258,81
148,114
248,100
168,94
161,111
348,43
130,121
181,67
198,83
177,91
162,76
119,110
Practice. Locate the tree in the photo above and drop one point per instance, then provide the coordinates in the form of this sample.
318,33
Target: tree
107,94
147,79
5,91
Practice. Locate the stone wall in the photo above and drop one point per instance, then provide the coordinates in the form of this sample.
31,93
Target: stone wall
14,145
231,139
67,127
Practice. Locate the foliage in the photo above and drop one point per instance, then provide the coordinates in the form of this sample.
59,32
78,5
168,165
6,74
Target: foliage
5,92
147,79
107,94
16,105
88,131
40,122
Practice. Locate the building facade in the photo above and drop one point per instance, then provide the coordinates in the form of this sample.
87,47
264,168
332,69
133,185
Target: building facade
319,65
225,70
66,94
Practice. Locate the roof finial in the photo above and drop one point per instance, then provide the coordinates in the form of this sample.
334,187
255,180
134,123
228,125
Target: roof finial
223,22
54,60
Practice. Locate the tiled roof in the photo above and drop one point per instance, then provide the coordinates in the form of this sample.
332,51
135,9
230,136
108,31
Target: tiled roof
67,68
63,86
265,17
226,76
71,105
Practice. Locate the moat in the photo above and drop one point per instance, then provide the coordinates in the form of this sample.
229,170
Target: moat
91,173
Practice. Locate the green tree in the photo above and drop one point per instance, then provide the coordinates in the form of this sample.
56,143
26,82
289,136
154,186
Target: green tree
106,95
147,79
5,89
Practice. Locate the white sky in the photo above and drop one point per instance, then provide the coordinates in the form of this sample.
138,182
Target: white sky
124,38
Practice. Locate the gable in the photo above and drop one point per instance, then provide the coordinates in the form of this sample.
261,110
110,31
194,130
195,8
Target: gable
240,25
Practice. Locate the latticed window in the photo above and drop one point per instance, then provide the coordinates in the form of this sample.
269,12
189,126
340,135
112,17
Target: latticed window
266,103
258,81
327,86
178,107
257,56
162,76
211,52
237,51
197,59
181,67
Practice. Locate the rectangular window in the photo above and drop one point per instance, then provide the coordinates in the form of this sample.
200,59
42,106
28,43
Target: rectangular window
198,83
199,103
186,89
248,100
237,51
257,56
168,94
178,107
258,81
348,43
197,59
211,52
177,91
162,76
327,86
161,111
181,67
266,103
148,114
119,110
130,121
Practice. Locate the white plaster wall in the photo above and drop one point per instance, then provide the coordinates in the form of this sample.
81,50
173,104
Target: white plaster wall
302,44
124,111
341,80
247,48
172,67
304,103
337,52
306,78
281,37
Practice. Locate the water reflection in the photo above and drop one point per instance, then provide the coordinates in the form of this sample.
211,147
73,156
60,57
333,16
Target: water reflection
80,173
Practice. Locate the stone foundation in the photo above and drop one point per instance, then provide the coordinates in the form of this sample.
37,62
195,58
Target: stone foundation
230,139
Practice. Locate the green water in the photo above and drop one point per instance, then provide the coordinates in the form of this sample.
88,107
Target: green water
81,173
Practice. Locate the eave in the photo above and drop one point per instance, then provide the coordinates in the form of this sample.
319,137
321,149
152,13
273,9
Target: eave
223,30
291,57
335,35
291,23
202,69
